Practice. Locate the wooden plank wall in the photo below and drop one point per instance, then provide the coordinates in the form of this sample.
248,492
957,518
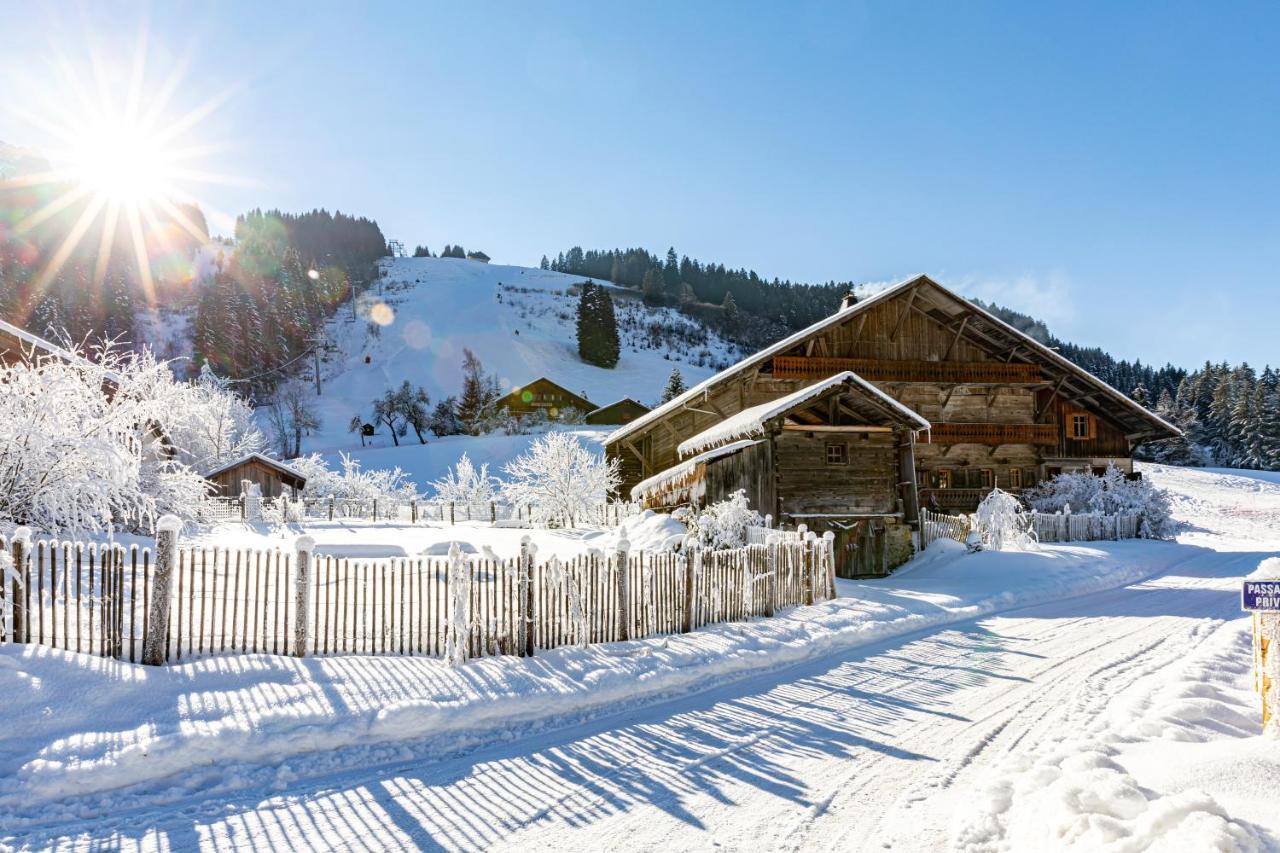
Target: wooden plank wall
868,483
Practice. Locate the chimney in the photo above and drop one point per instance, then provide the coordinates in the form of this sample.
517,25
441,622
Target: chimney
848,301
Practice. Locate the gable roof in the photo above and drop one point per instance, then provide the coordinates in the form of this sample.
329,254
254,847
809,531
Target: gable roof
992,325
265,460
623,401
516,391
752,420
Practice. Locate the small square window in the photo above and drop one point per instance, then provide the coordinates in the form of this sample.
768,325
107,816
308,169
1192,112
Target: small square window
837,454
1080,426
1015,478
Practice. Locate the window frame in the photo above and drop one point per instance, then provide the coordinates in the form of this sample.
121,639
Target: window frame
843,453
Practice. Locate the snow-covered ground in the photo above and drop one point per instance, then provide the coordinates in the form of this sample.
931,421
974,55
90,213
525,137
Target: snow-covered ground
1095,695
519,321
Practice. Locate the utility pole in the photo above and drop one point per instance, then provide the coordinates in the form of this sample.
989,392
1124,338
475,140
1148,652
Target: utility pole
317,341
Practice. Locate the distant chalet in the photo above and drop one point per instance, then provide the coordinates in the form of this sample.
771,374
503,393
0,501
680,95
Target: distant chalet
546,396
991,406
478,256
620,412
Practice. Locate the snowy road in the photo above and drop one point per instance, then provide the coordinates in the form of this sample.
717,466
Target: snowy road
892,746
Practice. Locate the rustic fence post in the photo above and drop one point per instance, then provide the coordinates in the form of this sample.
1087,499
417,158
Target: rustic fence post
304,547
493,513
375,509
623,587
691,559
528,634
772,544
807,556
153,648
243,510
17,582
829,556
413,510
450,513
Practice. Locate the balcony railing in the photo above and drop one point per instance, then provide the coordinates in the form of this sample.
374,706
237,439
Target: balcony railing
965,500
994,434
881,370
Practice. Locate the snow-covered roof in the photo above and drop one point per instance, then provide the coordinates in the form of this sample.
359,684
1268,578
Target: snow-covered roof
37,342
844,314
619,403
265,460
682,469
751,421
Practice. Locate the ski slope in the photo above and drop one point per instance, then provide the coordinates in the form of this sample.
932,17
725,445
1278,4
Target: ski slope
1087,697
520,322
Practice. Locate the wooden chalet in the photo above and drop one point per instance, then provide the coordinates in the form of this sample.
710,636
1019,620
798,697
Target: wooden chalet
1004,409
478,256
621,412
544,395
274,479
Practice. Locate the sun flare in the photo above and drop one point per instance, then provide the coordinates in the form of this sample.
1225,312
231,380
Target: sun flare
120,161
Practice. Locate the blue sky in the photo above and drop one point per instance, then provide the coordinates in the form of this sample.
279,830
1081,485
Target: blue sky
1111,168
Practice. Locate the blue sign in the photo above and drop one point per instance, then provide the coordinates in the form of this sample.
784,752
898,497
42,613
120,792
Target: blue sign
1260,595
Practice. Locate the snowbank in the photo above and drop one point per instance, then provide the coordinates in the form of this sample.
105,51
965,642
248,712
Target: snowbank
125,734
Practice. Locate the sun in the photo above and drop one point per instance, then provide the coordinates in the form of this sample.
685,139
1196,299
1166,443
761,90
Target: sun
120,154
122,162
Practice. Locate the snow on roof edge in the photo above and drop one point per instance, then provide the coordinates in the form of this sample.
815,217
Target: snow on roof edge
752,419
276,463
53,349
642,488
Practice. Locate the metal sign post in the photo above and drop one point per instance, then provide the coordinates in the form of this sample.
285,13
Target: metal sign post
1261,598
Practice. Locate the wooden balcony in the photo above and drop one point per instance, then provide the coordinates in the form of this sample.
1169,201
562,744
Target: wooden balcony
993,435
961,500
881,370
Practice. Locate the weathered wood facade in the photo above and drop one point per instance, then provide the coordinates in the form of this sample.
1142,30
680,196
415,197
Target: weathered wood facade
544,395
1005,410
273,478
624,411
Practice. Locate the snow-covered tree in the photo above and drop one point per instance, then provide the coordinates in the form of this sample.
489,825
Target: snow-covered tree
675,386
1112,493
209,424
78,444
291,416
559,479
1004,523
724,524
353,483
466,484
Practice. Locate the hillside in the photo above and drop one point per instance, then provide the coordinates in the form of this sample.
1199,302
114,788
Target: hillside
518,321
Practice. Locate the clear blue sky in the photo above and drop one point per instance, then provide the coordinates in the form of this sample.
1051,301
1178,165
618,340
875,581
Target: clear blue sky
1111,168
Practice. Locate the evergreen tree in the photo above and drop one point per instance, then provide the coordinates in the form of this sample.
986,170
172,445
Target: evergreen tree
598,342
479,393
675,386
545,264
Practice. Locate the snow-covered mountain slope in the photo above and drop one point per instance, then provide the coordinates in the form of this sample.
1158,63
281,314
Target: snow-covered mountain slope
520,322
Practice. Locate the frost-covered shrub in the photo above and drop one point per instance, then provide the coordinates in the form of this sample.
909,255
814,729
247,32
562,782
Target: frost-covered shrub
559,479
1003,523
79,449
1110,494
724,524
466,484
353,483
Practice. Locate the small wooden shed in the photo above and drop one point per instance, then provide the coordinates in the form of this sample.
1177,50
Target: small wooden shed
273,478
621,412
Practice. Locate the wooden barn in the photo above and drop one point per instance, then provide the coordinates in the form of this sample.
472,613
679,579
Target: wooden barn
623,411
544,395
1005,409
275,479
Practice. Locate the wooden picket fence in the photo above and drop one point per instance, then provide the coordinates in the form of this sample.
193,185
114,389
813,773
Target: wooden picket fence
938,525
98,598
1048,527
609,514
